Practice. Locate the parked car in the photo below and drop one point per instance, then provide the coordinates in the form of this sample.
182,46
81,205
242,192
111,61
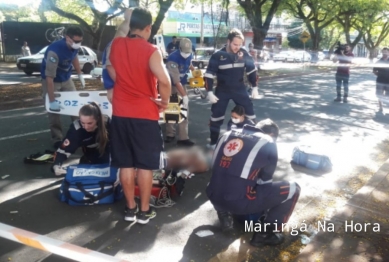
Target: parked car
321,56
30,64
202,56
326,54
282,56
299,56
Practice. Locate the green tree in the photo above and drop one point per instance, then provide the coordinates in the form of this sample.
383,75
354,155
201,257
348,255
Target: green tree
330,37
294,32
260,13
316,14
93,20
12,12
347,18
87,15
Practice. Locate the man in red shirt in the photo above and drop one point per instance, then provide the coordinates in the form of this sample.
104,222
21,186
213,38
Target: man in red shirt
136,138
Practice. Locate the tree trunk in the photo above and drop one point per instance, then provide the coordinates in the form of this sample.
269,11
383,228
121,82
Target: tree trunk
164,7
98,34
259,37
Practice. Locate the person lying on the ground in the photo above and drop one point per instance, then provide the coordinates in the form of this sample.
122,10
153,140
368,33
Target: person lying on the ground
187,161
242,181
238,118
90,132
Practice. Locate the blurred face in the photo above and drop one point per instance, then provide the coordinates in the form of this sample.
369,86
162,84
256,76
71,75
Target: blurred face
250,46
235,44
174,40
236,118
89,123
348,48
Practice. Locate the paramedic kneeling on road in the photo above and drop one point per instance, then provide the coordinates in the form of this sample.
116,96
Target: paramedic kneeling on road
89,132
228,66
243,165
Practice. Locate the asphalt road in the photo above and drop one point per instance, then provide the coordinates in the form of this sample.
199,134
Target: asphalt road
350,134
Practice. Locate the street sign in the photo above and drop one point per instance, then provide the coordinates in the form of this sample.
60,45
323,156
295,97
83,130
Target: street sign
304,37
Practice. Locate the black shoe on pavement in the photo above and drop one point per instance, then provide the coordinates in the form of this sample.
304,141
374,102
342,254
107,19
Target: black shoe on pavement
345,99
143,217
226,220
263,238
130,213
169,139
186,142
337,99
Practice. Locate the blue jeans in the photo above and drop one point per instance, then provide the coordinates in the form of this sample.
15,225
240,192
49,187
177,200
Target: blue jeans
339,79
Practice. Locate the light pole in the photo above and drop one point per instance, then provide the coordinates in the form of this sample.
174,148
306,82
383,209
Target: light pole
202,25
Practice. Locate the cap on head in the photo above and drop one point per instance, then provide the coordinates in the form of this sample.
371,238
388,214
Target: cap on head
185,45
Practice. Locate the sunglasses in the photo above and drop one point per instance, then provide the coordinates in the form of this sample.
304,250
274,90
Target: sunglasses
76,42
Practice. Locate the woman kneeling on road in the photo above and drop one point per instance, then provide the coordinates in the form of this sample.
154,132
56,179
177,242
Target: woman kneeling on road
90,132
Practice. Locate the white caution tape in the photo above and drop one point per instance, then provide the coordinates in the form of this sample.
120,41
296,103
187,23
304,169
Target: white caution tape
54,246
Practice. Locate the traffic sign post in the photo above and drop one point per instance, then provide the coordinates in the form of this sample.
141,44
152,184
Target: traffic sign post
304,37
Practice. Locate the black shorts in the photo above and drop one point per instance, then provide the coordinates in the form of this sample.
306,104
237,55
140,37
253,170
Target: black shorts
136,143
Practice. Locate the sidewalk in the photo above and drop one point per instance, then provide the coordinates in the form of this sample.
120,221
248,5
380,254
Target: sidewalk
361,228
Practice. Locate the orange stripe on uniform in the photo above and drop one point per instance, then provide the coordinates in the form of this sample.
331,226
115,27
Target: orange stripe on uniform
284,192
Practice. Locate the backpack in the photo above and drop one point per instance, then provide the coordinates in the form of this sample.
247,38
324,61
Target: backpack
312,160
90,185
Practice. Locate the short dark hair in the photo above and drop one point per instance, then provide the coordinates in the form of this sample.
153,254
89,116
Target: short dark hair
268,127
238,110
385,48
235,33
174,37
74,31
140,18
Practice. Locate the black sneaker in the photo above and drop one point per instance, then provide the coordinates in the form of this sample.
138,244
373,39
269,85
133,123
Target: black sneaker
226,220
186,142
337,99
263,238
130,213
143,217
169,139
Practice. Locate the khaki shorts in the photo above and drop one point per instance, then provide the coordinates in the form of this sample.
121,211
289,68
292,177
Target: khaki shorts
58,86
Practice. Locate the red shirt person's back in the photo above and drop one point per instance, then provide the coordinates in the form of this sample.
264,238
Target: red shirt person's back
135,83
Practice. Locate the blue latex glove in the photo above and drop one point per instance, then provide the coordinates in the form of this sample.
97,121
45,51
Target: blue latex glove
55,106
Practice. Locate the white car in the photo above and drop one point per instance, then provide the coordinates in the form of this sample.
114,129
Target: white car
30,64
299,56
282,56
